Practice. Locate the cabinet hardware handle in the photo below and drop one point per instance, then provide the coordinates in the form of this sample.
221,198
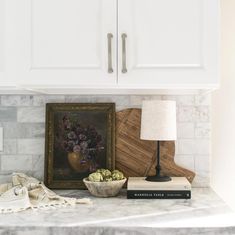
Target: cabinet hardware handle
110,68
124,69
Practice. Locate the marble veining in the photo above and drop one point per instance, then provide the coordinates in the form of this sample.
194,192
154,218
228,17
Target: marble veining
205,213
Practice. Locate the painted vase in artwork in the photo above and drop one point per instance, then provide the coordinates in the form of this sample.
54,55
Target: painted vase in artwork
78,163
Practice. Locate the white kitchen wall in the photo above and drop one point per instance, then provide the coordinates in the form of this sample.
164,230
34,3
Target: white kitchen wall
223,111
23,120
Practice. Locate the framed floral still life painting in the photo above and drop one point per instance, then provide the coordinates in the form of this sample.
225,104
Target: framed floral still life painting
80,138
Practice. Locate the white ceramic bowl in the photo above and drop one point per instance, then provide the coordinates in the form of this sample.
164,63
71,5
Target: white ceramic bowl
104,189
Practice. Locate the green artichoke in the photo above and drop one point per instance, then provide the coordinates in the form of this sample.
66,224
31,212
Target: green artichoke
106,173
100,170
108,179
117,175
95,177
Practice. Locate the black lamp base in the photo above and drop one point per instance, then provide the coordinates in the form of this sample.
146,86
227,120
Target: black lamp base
158,178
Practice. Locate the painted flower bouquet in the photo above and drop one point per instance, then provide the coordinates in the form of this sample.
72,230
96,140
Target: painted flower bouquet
82,143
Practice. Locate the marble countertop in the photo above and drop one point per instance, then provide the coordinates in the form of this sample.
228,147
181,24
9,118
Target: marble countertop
204,213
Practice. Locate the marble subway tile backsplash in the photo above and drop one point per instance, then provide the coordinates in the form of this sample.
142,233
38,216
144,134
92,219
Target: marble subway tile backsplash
23,120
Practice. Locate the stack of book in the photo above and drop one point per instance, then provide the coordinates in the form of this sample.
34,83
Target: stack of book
177,188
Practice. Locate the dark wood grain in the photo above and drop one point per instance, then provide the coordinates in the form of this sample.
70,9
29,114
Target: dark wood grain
136,157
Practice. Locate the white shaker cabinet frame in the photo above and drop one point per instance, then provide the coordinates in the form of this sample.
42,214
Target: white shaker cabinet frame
67,42
169,43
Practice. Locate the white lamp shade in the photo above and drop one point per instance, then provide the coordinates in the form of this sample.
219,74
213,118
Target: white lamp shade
158,120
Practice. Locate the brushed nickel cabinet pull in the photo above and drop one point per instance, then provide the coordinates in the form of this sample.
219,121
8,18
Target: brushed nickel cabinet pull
124,69
110,68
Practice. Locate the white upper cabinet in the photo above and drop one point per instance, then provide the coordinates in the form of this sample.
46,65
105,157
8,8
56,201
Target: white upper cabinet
7,45
168,43
2,39
65,42
109,44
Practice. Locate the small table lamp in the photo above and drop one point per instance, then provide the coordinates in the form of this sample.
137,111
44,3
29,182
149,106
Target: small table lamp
158,122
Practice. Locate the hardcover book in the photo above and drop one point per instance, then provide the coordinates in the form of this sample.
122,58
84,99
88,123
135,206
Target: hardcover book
176,183
161,194
177,188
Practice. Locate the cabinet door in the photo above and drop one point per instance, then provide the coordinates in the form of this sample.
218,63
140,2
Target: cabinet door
65,42
169,43
7,38
2,40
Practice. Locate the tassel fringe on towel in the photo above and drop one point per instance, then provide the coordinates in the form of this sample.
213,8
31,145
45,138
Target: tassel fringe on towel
29,193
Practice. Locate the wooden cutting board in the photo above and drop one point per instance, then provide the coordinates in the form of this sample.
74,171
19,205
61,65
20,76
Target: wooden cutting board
135,157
